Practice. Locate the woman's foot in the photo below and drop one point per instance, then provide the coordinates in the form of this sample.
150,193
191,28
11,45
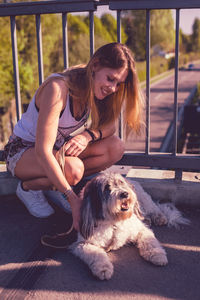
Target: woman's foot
59,241
35,202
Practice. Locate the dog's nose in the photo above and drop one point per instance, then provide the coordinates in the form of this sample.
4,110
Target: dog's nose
124,195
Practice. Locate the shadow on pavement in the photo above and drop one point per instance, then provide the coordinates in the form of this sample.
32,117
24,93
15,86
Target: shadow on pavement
32,271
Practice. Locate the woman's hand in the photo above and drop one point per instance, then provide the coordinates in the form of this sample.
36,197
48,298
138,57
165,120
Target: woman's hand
75,203
76,145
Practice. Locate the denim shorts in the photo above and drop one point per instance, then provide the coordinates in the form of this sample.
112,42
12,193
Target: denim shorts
13,151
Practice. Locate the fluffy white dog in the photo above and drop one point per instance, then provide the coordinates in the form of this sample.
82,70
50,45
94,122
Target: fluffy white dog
112,215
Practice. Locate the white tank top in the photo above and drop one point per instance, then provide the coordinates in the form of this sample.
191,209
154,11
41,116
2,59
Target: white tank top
68,126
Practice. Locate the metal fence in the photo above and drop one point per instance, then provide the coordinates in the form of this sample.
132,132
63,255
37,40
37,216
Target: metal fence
172,160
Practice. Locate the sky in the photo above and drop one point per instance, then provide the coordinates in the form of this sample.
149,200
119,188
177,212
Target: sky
187,17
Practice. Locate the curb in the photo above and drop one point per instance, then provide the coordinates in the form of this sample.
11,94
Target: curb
162,186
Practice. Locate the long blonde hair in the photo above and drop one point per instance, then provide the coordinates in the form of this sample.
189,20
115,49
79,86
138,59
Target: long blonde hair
79,80
116,56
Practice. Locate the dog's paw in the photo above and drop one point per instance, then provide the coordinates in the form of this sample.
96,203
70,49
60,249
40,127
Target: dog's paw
103,271
159,258
159,219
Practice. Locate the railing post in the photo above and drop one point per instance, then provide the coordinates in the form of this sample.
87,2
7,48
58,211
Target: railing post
147,82
176,82
91,15
121,133
119,26
15,67
39,49
65,40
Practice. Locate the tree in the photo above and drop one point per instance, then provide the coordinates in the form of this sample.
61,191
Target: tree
162,30
6,65
5,62
196,35
134,24
110,23
78,41
27,55
185,42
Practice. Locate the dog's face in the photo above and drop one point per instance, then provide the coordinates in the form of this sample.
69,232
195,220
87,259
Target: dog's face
106,197
118,197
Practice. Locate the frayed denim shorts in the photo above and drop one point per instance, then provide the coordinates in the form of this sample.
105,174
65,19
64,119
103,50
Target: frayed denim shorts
13,151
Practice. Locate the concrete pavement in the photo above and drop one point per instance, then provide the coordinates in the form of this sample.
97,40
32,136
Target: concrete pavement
29,270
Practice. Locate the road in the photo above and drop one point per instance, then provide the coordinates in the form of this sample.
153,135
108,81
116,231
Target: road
161,107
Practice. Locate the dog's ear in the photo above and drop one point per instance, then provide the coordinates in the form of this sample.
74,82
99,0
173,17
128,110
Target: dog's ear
91,210
137,211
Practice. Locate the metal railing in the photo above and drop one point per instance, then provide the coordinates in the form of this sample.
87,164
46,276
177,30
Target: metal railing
175,161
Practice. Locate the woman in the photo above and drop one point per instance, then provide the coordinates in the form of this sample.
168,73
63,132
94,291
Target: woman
68,129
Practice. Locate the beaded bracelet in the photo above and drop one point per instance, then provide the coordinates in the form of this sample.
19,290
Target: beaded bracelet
67,193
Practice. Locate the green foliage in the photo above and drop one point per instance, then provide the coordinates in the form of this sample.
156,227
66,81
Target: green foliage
110,23
185,42
158,65
135,28
102,36
162,30
191,43
79,51
171,63
77,26
162,33
141,70
5,62
78,40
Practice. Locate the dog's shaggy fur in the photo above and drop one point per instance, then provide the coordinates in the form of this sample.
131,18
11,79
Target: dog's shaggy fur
112,215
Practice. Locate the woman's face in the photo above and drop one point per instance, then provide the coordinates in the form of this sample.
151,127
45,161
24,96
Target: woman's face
107,81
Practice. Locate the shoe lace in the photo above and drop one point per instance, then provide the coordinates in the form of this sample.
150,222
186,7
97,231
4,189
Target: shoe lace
39,197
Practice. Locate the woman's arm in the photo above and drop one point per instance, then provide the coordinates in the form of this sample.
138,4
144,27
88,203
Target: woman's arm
78,143
51,100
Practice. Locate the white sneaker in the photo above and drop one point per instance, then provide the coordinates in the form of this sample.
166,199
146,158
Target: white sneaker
59,199
35,202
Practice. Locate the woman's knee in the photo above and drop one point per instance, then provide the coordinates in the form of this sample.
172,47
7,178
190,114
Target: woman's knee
74,169
116,149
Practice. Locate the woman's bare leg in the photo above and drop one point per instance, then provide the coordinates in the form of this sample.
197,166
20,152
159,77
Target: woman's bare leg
102,154
96,157
29,171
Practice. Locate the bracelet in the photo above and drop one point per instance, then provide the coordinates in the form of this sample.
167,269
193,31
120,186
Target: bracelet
91,134
67,193
100,135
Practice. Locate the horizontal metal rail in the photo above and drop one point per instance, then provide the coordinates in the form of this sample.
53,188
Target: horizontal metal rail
152,4
162,160
46,7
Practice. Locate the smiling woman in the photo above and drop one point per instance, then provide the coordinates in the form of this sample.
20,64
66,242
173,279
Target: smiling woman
66,133
107,81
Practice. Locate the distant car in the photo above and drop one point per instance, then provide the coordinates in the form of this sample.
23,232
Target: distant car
190,66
